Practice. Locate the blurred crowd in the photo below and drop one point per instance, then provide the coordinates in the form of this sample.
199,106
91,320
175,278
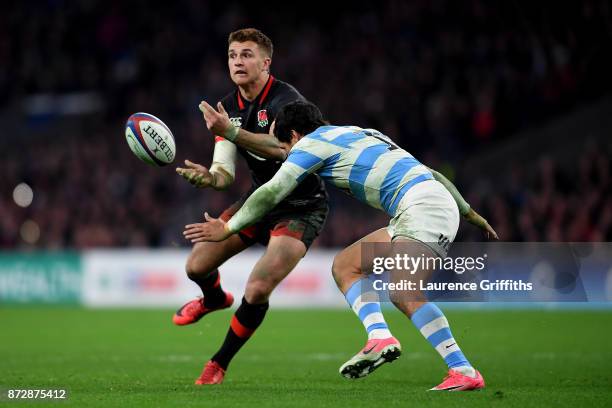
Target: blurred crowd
551,200
444,79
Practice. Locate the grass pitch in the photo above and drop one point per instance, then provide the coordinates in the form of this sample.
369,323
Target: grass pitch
138,358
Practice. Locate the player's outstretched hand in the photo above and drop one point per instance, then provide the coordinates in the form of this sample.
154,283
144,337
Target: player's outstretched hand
214,229
196,174
217,122
474,218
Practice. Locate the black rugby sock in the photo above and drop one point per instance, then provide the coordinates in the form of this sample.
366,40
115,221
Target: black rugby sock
245,321
211,289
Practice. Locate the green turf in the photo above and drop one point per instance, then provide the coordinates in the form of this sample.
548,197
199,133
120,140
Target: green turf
137,358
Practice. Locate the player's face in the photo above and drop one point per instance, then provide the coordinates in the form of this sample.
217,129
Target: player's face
246,62
295,137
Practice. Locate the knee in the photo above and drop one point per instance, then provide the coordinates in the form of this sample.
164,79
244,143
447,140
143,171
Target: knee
264,279
342,268
338,267
196,267
259,291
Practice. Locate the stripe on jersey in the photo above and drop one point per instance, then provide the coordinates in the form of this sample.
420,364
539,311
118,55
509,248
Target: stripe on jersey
329,155
406,187
294,173
304,159
337,136
362,167
377,176
266,90
392,180
329,165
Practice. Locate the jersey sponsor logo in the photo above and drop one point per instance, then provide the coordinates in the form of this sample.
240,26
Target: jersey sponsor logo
236,121
262,118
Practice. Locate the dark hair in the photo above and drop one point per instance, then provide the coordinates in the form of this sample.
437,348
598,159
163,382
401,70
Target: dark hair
301,116
252,34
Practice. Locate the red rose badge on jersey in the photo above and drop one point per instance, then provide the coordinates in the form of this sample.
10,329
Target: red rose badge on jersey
262,118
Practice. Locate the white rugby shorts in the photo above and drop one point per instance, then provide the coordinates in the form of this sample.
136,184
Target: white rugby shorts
427,213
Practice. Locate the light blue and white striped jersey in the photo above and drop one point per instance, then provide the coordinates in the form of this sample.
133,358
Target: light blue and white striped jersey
362,162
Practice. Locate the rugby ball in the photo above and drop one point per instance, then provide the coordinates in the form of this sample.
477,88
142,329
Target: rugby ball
150,139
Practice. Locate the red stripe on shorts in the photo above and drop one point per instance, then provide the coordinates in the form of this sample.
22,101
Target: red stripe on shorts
294,229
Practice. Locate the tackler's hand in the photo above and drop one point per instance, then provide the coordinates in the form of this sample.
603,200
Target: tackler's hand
474,218
213,230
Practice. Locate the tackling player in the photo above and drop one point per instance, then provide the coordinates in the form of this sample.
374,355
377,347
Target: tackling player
242,125
423,205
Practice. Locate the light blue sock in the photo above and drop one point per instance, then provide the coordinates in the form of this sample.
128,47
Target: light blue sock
366,306
433,325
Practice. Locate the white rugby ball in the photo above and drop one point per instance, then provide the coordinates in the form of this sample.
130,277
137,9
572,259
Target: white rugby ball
150,139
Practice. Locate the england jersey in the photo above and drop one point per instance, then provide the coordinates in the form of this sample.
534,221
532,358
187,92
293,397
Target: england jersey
257,117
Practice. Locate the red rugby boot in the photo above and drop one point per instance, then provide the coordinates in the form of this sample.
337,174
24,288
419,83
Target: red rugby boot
193,311
212,374
455,381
